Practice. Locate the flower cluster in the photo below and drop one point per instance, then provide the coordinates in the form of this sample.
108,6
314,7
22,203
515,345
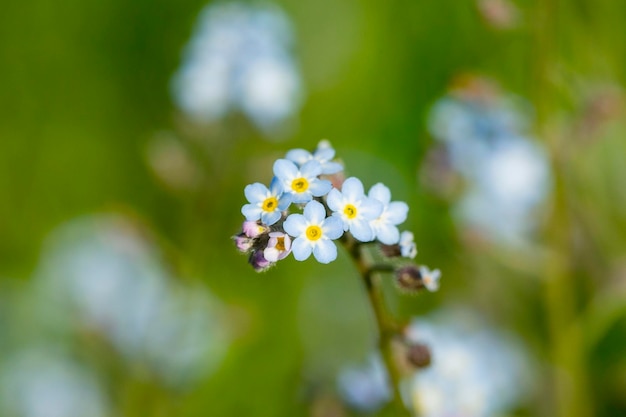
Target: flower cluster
328,208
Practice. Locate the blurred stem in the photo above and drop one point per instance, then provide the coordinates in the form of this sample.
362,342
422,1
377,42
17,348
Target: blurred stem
388,329
566,341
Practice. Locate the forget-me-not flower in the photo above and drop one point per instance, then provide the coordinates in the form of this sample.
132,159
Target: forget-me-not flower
430,279
301,184
407,245
394,213
265,204
314,232
324,154
278,247
354,209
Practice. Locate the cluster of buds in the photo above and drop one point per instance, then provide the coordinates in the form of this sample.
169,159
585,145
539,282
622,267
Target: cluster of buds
329,208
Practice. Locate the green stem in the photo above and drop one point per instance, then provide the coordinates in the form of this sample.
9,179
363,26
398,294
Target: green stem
388,329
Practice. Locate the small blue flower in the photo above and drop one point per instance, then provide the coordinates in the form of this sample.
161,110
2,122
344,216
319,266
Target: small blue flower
394,213
265,204
314,232
407,245
323,154
301,184
355,210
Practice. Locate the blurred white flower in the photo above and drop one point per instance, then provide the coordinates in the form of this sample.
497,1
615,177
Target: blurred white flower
475,371
506,172
101,273
39,383
240,58
365,388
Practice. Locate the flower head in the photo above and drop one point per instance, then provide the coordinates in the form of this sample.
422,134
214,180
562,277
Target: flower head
278,247
430,278
313,233
265,204
301,184
355,210
323,154
394,213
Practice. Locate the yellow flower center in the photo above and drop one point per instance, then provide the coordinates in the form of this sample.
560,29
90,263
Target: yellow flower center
270,204
280,243
313,232
350,211
300,185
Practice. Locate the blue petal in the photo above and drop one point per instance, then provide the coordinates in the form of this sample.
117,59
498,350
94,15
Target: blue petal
251,211
345,224
285,170
397,212
299,198
324,154
320,187
314,212
381,193
388,234
331,167
299,156
332,227
370,209
256,193
284,201
352,189
295,225
301,249
334,199
325,251
361,230
269,218
276,186
311,169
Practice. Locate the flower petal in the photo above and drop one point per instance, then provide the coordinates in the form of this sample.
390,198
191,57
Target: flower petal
324,154
387,234
320,187
256,193
325,251
396,212
314,212
271,254
311,169
301,249
352,189
285,170
300,198
381,193
284,202
331,168
295,225
270,217
299,156
276,186
332,227
361,230
251,211
370,209
334,199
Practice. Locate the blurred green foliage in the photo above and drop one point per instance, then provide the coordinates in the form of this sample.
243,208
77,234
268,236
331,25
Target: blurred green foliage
85,88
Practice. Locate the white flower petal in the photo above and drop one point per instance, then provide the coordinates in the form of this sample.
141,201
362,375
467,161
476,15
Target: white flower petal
325,251
320,188
299,156
270,217
332,227
314,212
284,202
276,187
285,170
301,249
311,169
396,212
271,254
370,209
331,168
361,230
334,199
352,189
300,198
324,154
256,192
295,225
251,211
387,234
381,193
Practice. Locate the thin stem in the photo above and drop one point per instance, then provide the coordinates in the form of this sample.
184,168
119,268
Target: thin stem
388,329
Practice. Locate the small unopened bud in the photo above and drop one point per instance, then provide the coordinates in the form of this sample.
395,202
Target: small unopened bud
258,261
253,229
391,251
409,278
243,243
419,355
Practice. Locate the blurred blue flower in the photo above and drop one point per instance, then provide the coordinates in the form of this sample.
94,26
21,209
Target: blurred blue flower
394,213
240,59
302,184
365,388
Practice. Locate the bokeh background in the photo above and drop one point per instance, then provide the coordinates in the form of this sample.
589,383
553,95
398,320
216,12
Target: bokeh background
128,131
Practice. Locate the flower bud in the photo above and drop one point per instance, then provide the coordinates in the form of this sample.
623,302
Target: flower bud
243,243
419,355
258,261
